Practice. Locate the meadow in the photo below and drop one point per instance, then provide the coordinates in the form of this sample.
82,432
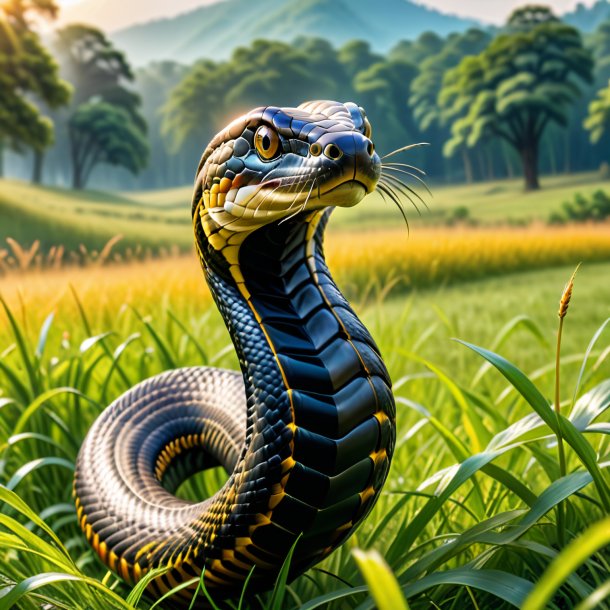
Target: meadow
478,510
161,219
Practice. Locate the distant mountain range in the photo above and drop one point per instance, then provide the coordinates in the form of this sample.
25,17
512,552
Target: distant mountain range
588,18
214,30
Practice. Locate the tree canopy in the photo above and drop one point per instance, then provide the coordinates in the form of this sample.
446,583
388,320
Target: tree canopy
104,103
104,133
522,82
28,74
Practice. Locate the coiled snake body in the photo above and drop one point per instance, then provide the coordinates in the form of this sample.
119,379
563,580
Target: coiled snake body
307,430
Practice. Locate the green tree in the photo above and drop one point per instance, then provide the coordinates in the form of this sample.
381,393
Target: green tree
357,56
29,78
105,133
104,99
519,85
426,87
598,119
383,89
212,93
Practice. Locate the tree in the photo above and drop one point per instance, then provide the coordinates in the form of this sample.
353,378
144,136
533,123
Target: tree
105,133
28,74
103,100
212,92
383,89
519,85
425,89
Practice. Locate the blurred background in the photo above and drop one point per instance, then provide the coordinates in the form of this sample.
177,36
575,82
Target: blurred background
105,108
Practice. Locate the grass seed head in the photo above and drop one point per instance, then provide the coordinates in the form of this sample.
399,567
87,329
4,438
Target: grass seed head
564,303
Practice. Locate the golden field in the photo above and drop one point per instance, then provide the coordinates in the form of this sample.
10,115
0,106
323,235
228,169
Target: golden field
361,261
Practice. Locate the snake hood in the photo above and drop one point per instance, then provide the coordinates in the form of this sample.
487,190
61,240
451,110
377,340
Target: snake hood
274,163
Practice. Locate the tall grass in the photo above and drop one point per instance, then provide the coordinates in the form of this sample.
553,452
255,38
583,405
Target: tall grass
468,517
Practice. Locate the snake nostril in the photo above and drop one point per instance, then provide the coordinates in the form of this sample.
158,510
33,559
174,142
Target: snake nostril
332,151
315,149
370,148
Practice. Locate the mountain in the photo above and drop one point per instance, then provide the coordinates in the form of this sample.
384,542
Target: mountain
588,18
214,30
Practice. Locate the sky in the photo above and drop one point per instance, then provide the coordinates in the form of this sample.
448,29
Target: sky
116,14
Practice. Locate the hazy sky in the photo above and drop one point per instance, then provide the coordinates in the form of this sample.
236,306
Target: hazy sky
114,14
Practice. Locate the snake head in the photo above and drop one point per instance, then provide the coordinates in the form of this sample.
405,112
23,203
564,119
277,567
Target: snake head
276,163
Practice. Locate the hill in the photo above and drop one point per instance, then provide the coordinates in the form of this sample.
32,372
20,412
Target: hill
215,30
587,18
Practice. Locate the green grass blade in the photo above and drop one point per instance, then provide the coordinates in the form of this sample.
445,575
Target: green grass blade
520,382
177,589
44,335
244,588
508,587
165,352
41,400
572,556
34,465
588,351
136,593
327,598
14,501
595,599
587,456
279,591
23,348
381,581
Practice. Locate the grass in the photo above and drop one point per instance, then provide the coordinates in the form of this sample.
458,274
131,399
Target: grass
162,218
474,536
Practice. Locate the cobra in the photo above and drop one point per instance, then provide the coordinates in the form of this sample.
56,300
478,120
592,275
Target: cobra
306,431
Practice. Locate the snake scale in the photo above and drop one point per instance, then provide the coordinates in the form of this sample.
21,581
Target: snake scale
306,431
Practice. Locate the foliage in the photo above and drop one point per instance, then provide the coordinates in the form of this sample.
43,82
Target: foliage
598,120
105,133
28,76
105,124
597,209
212,93
469,511
522,82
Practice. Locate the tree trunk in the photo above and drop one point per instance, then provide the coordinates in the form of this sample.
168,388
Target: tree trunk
509,166
38,165
529,159
467,166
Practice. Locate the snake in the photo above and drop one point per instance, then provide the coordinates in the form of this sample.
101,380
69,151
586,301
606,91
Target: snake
305,430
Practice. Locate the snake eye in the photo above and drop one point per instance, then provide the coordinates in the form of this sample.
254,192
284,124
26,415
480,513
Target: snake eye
266,142
368,130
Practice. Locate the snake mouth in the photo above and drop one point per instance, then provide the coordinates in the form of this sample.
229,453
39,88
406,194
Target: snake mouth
346,194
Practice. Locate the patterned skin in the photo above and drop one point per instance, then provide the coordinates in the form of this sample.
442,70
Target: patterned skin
307,430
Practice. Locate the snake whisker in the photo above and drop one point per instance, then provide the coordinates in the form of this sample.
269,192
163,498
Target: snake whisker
383,189
398,188
405,148
396,164
414,176
296,196
405,189
266,197
302,207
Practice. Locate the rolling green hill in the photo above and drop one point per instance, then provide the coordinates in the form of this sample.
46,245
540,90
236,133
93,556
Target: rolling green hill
162,218
214,30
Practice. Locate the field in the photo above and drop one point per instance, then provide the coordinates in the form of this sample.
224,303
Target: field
162,218
487,533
